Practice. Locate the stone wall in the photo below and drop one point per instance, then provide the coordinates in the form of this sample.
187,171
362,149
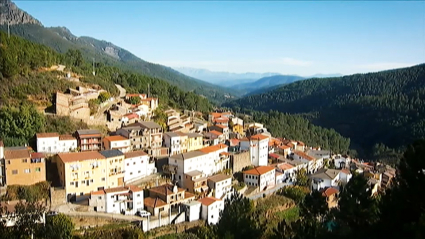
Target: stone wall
238,161
57,196
62,104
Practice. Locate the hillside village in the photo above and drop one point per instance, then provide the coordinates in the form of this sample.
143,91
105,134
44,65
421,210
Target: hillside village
182,170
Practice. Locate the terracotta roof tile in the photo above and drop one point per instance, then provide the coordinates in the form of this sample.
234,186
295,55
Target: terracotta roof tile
165,189
285,166
80,156
134,188
100,192
20,153
329,191
154,202
37,155
115,138
304,155
260,170
47,135
259,137
135,154
215,132
219,177
208,200
66,137
213,148
284,147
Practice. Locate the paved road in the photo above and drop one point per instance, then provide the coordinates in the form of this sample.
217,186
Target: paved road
122,90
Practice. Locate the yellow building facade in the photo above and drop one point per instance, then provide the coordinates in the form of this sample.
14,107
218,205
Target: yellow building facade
194,142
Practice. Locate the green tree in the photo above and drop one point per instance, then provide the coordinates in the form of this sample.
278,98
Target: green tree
296,193
59,226
104,96
302,178
28,216
238,219
134,100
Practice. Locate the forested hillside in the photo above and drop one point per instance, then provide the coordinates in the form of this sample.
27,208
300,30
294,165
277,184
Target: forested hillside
384,107
263,84
22,85
62,40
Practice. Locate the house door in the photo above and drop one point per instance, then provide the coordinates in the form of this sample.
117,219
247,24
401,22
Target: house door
121,181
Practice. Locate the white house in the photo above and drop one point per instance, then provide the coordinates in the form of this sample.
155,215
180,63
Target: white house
127,200
345,176
342,161
208,160
324,178
309,160
172,141
117,142
263,177
288,171
258,146
54,143
193,210
137,166
211,208
221,185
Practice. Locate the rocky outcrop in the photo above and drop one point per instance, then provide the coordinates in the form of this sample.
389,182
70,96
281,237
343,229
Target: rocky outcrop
112,52
10,13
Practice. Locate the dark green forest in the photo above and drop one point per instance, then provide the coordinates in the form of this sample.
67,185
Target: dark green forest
385,107
62,40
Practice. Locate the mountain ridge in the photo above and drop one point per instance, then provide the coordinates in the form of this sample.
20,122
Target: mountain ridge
61,39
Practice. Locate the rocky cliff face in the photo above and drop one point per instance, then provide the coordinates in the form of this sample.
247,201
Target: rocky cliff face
9,12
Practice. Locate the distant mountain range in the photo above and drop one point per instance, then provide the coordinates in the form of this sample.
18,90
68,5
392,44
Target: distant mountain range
61,39
221,77
246,83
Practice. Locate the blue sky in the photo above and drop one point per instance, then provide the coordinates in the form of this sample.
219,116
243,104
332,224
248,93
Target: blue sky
288,37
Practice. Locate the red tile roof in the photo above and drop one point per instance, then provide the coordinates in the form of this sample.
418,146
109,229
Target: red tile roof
37,155
135,154
80,156
274,156
213,148
215,132
208,200
260,170
285,166
221,120
234,142
166,189
224,153
100,192
115,138
132,116
346,171
284,147
304,155
47,135
16,153
135,188
329,191
66,137
154,202
259,137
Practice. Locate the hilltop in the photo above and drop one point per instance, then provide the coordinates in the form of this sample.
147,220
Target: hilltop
383,107
61,39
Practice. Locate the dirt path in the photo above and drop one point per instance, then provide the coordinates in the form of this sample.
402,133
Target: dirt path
122,91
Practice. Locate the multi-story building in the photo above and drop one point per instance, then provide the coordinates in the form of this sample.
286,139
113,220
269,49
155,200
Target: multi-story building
163,197
215,115
137,165
263,177
144,135
221,185
194,141
22,166
89,139
176,142
117,142
196,182
211,208
209,161
52,143
222,129
115,167
258,146
84,172
215,137
126,200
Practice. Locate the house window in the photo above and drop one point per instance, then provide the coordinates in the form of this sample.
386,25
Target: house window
112,196
72,183
27,170
100,197
91,180
134,163
131,173
38,169
128,164
24,160
138,195
139,171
